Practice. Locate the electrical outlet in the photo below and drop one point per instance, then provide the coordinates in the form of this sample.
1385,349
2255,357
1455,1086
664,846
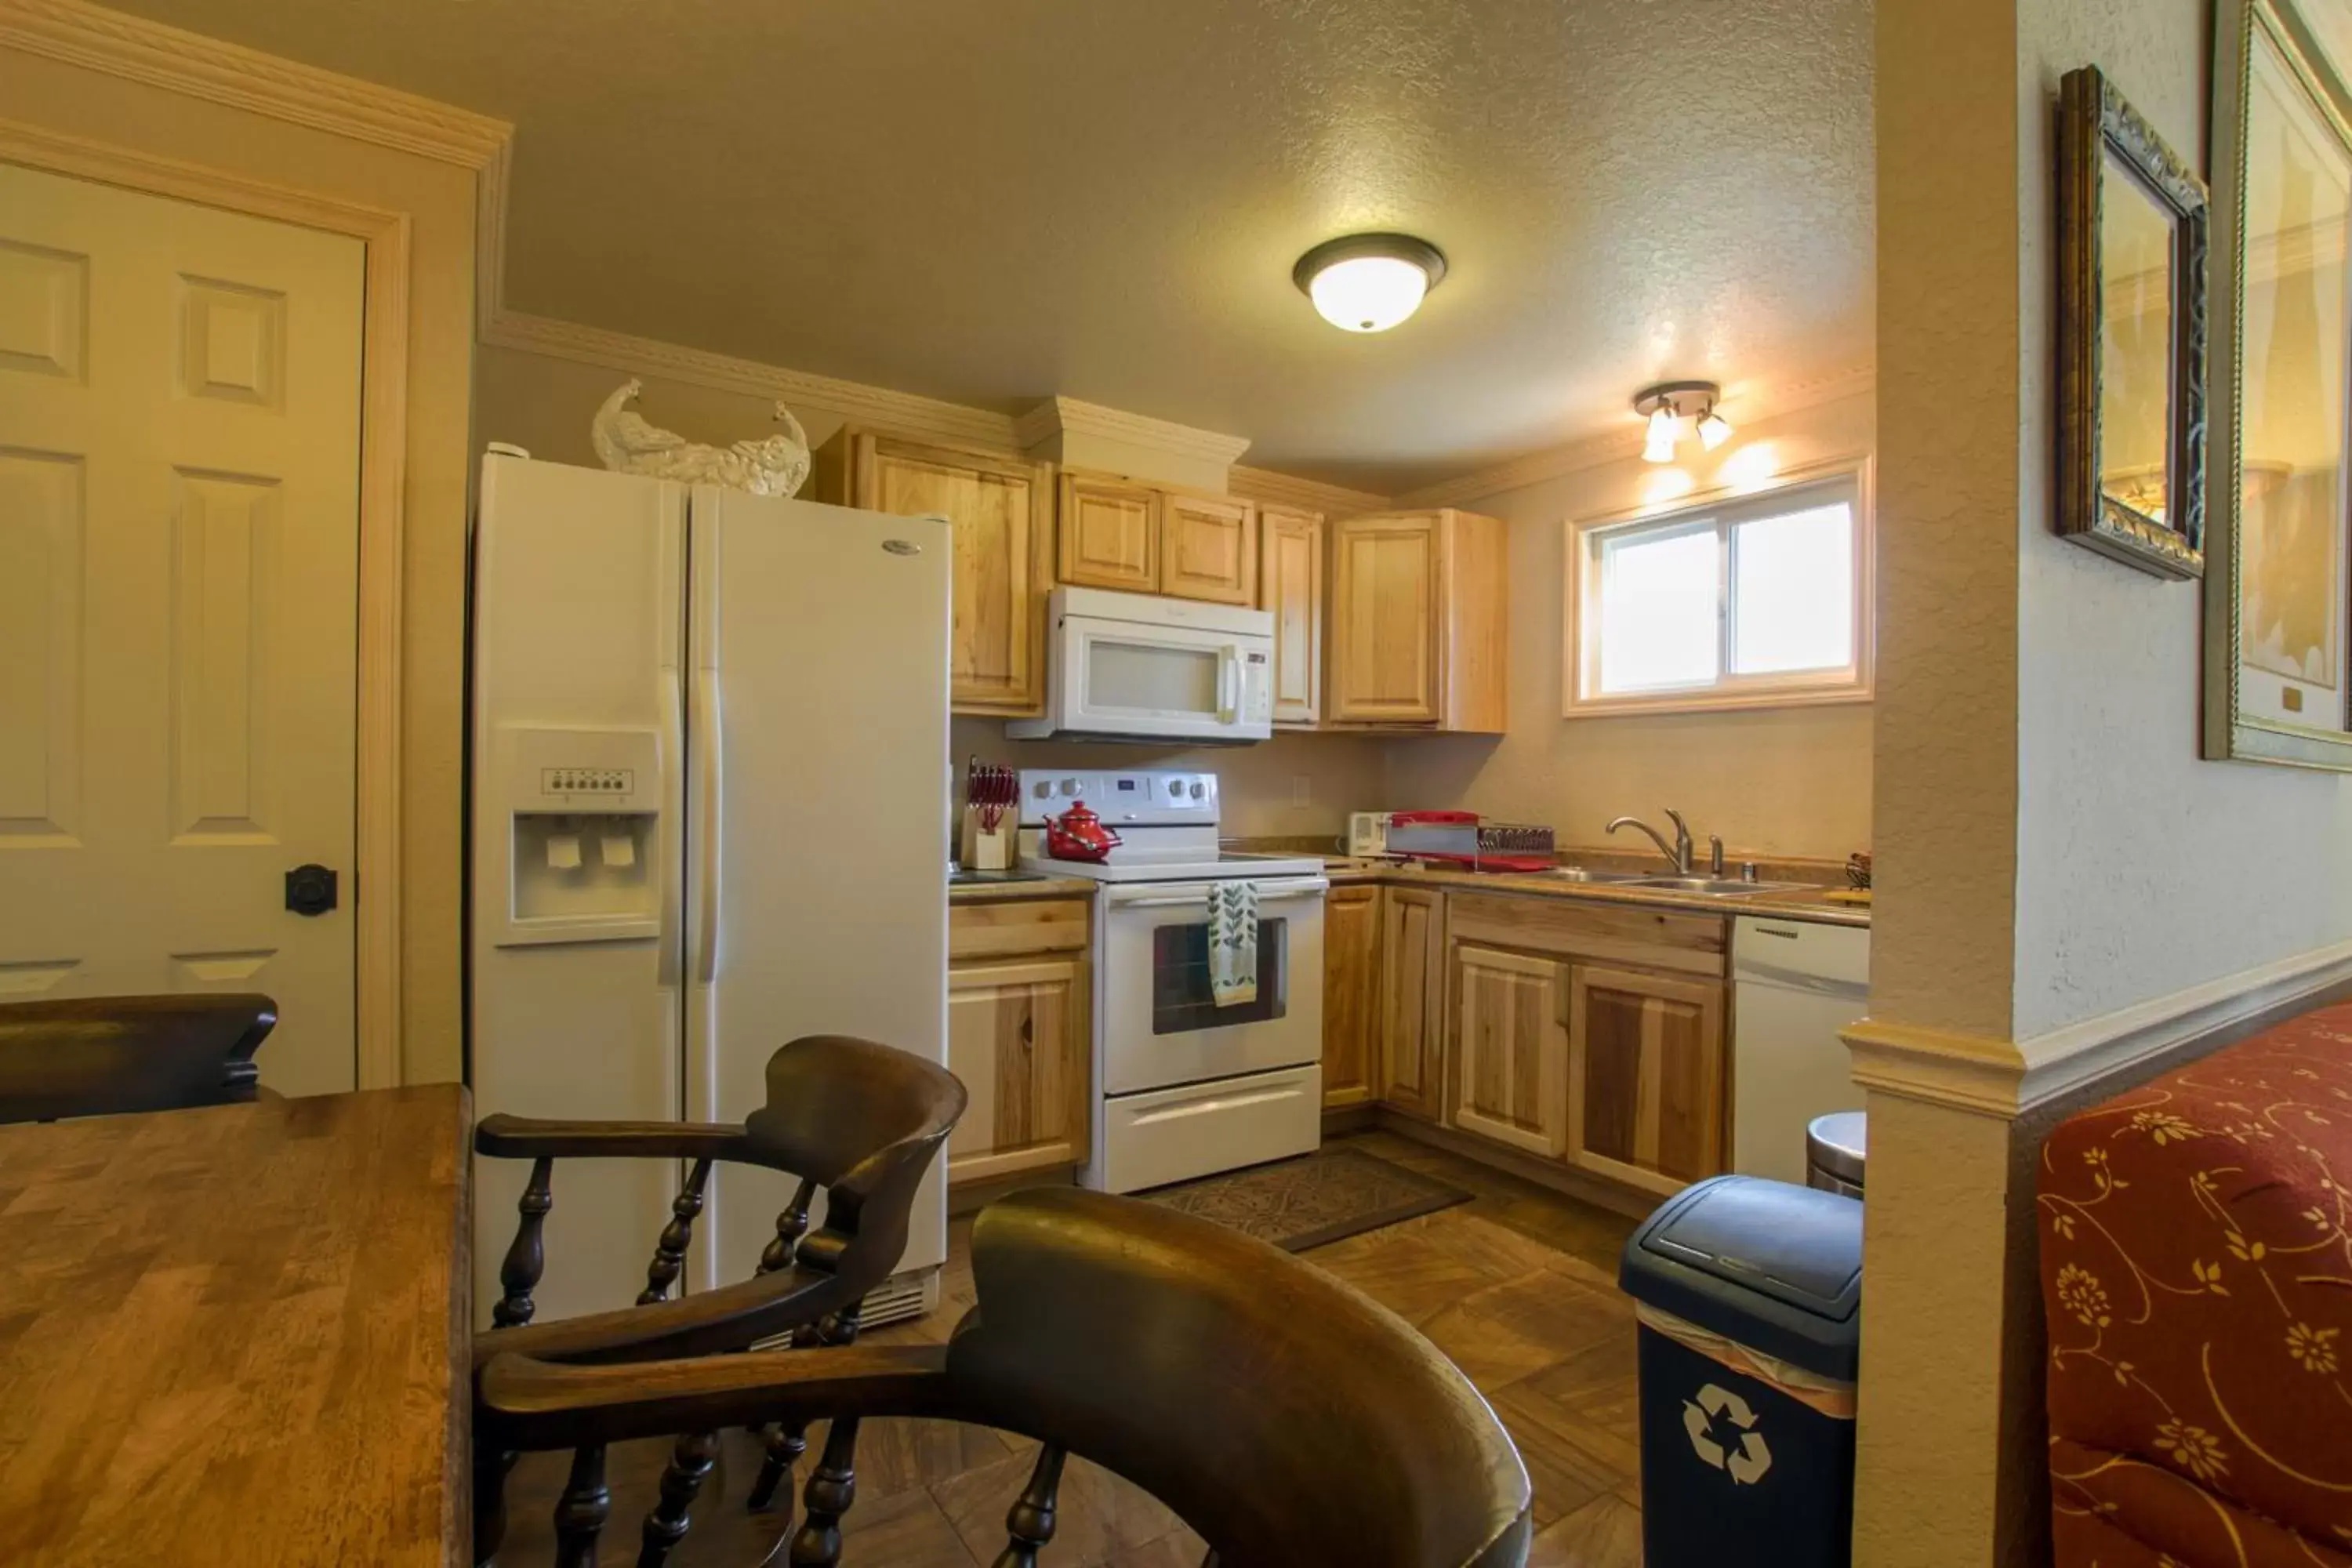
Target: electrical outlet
1302,789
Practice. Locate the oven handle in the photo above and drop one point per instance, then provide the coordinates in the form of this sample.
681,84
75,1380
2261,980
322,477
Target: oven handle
1163,896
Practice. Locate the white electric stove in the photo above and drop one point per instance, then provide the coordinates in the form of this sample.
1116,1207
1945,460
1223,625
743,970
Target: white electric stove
1184,1088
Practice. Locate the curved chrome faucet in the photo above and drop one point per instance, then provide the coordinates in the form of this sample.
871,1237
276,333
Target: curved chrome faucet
1678,853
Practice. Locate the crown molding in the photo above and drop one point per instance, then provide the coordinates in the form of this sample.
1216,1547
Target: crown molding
2009,1077
899,413
1266,486
1747,407
1064,416
136,49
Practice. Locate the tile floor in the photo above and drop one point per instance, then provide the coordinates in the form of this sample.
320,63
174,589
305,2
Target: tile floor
1518,1286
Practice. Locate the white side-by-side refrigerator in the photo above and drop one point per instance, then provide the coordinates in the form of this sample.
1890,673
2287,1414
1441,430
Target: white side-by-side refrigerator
708,776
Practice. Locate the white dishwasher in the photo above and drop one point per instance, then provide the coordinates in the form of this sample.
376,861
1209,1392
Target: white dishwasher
1795,985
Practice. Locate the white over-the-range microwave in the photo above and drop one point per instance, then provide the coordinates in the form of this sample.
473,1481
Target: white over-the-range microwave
1137,667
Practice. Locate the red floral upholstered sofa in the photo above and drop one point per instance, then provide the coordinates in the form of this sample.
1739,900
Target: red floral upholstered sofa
2196,1274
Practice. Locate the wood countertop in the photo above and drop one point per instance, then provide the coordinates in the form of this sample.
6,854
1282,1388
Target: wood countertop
1810,905
238,1335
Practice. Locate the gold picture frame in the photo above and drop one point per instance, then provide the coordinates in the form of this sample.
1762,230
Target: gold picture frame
2132,253
2278,597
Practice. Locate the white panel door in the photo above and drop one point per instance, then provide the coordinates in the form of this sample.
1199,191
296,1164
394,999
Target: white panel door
178,532
817,778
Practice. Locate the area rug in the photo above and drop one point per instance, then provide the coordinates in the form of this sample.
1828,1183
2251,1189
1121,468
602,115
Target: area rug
1314,1199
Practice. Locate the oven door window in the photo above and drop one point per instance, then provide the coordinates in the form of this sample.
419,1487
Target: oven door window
1181,1001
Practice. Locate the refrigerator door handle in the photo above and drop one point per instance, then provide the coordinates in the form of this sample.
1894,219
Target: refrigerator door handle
673,849
708,746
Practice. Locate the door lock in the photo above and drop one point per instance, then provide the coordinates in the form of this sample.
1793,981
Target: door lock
310,889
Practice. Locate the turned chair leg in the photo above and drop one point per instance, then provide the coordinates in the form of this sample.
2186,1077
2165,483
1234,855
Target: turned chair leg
832,1487
689,1467
491,1466
1029,1525
786,1443
581,1512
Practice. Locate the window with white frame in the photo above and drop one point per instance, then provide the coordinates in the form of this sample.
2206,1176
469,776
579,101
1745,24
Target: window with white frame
1750,600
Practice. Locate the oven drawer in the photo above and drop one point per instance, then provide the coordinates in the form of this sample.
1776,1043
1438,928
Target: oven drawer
1173,1134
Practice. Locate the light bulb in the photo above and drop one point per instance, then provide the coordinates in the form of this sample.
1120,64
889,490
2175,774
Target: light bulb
1368,293
1714,430
1660,446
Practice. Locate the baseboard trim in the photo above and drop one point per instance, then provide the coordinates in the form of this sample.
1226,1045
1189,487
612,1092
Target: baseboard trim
2006,1078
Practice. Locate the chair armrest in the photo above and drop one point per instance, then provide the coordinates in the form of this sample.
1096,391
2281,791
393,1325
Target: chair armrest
529,1138
521,1403
709,1322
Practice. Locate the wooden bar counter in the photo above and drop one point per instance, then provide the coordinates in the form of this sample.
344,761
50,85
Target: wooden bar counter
238,1335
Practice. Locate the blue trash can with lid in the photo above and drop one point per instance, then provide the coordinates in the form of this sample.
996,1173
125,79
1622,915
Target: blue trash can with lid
1749,1297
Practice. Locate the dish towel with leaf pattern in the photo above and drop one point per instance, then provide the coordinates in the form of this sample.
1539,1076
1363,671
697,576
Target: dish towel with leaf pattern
1232,943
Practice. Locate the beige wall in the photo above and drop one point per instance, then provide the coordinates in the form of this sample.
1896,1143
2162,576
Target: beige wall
1784,781
438,198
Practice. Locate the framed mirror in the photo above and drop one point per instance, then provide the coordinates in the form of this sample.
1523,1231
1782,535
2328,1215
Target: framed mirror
2132,232
2278,676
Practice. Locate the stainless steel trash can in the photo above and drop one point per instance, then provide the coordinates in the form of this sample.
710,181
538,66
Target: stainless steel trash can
1834,1149
1749,1295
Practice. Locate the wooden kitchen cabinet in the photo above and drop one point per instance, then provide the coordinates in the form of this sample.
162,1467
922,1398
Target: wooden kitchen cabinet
1002,509
1352,998
1110,533
1645,1077
1208,547
1020,1037
1508,1036
1290,585
1412,991
1419,622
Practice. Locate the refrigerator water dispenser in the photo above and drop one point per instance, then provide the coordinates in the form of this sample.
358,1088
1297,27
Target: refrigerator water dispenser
584,843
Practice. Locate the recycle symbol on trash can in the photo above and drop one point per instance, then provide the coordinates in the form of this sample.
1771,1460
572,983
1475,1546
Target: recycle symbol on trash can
1748,1466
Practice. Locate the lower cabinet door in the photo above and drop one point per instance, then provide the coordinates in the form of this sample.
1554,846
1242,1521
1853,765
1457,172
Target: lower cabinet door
1413,985
1645,1077
1018,1038
1510,1035
1351,1002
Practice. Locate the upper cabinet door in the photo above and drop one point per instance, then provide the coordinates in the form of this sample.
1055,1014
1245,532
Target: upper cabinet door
1002,509
1110,535
1208,547
1388,590
1290,584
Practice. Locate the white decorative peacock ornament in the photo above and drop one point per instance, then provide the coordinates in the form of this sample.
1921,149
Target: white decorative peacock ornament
627,443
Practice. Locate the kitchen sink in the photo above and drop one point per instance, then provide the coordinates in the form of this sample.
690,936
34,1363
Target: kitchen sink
1723,886
1587,874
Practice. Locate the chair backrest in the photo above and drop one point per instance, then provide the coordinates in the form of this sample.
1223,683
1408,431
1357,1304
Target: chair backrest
105,1055
1282,1415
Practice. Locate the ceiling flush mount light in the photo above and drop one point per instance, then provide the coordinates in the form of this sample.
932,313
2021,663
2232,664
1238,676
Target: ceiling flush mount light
1667,404
1368,282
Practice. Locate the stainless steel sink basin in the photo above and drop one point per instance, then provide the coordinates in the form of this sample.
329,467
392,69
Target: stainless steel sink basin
1721,887
1587,874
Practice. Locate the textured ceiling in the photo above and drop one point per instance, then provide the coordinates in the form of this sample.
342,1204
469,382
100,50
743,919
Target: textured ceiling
1103,198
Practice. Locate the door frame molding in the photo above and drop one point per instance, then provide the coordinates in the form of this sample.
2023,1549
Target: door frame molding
384,446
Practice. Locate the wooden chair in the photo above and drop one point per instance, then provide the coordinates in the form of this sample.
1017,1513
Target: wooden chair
103,1055
1282,1415
860,1120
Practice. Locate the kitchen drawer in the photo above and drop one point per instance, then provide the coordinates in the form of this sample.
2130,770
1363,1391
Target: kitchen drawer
1172,1134
1017,927
1652,939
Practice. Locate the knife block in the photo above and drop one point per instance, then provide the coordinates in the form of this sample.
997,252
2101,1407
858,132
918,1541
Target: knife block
984,851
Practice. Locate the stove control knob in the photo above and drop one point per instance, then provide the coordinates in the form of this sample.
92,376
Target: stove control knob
1044,788
1196,789
1069,786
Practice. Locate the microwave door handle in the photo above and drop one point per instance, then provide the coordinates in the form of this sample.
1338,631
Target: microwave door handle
1229,685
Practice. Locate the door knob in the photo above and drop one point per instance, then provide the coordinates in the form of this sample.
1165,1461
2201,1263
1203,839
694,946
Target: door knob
310,889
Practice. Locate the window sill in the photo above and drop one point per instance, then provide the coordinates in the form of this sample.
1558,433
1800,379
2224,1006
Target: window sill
1716,701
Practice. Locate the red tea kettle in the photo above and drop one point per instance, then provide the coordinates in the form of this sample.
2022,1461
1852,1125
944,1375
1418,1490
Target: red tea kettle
1079,835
